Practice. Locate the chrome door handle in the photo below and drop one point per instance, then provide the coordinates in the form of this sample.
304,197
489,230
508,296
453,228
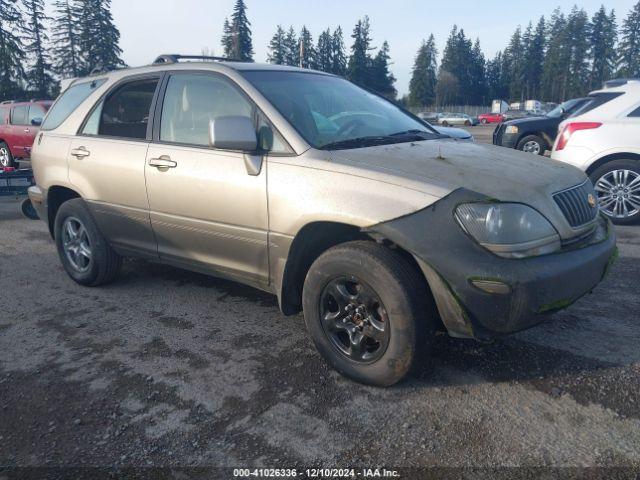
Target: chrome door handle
26,130
80,152
163,163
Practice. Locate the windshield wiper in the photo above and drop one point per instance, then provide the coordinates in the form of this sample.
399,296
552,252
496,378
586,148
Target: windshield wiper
372,140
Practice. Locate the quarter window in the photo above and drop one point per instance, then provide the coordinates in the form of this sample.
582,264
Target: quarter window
35,111
68,102
192,101
635,113
125,112
19,115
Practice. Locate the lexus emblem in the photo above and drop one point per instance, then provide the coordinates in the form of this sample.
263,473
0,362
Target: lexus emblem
592,200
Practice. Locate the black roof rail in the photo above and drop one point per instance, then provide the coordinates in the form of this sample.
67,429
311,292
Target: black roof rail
168,58
618,82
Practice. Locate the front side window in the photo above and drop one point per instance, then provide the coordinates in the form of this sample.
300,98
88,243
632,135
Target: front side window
192,101
68,102
19,115
635,113
125,112
330,112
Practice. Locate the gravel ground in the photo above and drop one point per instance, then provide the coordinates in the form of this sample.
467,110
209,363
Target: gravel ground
171,368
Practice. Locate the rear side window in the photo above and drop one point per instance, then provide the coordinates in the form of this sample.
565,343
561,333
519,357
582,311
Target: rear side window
192,101
125,112
19,115
635,113
36,112
68,102
597,100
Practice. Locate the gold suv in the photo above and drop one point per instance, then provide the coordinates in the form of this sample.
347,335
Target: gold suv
337,201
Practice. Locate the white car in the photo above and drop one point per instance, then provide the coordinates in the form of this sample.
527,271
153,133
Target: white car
603,139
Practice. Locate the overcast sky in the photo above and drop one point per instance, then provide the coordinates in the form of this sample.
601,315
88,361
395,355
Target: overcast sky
151,27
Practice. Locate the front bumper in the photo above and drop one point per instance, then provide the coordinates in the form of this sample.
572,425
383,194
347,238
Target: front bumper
537,286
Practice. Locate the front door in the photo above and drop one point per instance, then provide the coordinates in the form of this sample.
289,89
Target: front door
206,210
19,137
106,164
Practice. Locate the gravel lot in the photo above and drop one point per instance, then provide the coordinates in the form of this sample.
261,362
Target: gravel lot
171,368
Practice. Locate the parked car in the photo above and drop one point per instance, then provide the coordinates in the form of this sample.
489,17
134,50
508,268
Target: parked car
535,134
19,122
236,169
603,139
485,118
430,117
447,119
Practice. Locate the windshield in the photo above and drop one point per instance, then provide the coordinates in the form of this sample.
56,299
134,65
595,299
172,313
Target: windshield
332,113
565,107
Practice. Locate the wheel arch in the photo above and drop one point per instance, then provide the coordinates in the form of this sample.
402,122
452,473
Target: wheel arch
609,158
56,196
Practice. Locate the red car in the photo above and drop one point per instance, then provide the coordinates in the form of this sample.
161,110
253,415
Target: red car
19,125
491,118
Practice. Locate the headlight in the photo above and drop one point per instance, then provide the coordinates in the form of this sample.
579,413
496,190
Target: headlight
511,129
510,230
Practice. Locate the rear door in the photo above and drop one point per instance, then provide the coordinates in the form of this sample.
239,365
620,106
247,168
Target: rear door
106,163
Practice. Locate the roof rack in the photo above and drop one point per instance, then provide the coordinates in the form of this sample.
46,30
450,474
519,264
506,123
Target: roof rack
175,58
618,82
7,102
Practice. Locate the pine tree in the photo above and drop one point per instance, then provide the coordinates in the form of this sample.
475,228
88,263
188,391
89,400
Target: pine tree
65,39
534,60
11,50
277,47
578,34
555,75
99,38
324,52
497,84
602,49
382,79
39,78
338,53
236,38
455,69
422,87
360,61
514,59
307,50
477,74
629,61
292,48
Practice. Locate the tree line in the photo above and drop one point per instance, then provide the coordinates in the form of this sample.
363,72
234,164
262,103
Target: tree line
36,50
553,60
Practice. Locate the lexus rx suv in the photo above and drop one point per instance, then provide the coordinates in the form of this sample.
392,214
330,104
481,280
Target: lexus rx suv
299,183
603,139
19,122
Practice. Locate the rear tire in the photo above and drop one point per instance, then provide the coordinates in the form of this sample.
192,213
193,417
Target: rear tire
611,182
6,159
533,144
467,123
392,298
484,121
84,252
445,124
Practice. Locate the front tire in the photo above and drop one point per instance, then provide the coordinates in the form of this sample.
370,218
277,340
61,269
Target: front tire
6,159
533,144
368,311
84,252
484,121
617,184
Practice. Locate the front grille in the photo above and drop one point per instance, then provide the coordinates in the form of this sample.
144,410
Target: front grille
497,134
574,203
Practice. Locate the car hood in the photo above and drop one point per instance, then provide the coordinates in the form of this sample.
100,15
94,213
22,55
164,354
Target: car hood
438,167
529,121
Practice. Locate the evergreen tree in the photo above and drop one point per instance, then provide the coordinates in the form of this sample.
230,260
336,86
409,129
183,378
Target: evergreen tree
497,85
477,75
629,61
99,38
338,54
455,69
277,47
534,60
324,52
11,50
422,87
382,79
307,50
602,49
578,35
514,60
39,78
360,61
65,39
236,38
555,75
292,48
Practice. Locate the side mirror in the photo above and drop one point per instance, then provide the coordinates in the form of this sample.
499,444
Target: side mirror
36,122
233,133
